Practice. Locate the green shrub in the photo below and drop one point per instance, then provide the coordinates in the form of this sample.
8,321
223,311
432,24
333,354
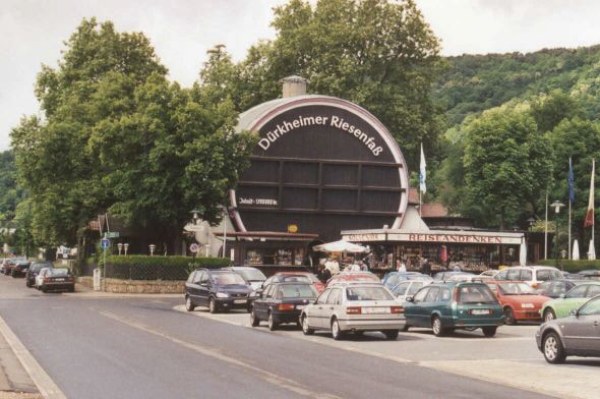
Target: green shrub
572,266
141,267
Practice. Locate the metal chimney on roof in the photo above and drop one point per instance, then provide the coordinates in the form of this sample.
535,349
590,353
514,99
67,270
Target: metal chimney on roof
294,86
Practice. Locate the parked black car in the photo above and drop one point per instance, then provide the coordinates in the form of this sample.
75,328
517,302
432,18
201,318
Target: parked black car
34,270
216,289
19,267
58,280
282,303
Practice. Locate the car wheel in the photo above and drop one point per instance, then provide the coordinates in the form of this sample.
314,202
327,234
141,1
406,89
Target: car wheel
436,326
489,331
272,324
212,305
28,284
549,315
509,316
189,306
336,332
391,334
253,319
405,327
44,289
306,330
554,351
13,274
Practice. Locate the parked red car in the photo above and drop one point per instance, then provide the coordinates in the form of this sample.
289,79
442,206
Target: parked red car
519,301
363,277
288,277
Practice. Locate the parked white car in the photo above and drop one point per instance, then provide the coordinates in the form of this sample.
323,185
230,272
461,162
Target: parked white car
532,275
354,307
39,279
408,288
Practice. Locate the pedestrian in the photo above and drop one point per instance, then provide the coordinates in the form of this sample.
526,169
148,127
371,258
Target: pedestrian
324,274
400,265
425,267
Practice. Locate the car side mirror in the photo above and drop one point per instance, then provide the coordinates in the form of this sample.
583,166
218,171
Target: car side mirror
574,312
410,298
259,292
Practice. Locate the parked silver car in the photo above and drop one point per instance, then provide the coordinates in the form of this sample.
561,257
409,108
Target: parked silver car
354,307
574,335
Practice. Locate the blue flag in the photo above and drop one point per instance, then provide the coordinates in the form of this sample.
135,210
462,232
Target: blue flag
571,182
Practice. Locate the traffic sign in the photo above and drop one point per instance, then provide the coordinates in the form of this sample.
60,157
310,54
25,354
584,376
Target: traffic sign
194,247
105,243
112,234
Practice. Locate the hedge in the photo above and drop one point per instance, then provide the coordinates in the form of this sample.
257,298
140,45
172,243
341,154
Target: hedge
141,267
572,266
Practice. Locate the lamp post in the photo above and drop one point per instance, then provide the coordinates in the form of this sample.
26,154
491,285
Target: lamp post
556,205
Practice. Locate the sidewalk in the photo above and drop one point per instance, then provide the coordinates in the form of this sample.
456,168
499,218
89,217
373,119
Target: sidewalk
15,382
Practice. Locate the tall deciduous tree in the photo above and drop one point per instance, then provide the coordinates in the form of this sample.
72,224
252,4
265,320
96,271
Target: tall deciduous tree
507,165
379,54
118,137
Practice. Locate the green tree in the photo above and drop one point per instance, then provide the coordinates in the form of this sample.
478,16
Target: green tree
381,55
118,137
578,139
507,166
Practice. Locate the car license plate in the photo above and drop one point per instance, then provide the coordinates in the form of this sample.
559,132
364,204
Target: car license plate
479,312
376,310
237,301
59,279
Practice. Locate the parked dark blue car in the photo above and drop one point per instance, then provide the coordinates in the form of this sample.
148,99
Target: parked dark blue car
216,289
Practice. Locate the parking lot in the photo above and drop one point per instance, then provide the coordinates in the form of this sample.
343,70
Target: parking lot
511,358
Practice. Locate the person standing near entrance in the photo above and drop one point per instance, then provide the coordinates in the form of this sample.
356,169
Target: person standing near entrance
426,267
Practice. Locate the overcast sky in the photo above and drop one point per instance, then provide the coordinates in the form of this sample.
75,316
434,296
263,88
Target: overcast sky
32,33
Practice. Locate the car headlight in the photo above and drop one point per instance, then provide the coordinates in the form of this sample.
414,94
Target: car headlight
222,295
527,305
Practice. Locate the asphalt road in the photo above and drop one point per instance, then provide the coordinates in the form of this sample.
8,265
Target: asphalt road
148,347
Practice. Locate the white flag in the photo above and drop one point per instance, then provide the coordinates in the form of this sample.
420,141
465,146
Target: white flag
422,172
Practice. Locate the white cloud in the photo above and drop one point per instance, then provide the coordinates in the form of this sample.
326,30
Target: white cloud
32,32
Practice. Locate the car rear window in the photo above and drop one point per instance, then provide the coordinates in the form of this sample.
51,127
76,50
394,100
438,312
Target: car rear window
547,274
475,294
60,272
368,294
252,275
296,291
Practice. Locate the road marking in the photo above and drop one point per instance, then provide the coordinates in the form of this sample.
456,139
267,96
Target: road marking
48,389
531,375
269,377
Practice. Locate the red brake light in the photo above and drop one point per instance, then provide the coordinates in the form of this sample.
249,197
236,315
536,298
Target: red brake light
353,310
284,307
397,309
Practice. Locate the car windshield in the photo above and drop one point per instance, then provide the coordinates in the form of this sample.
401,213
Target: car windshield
515,288
297,291
228,279
475,294
252,275
368,294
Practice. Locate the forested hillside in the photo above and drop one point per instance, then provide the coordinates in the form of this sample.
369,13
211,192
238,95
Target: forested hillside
513,121
473,83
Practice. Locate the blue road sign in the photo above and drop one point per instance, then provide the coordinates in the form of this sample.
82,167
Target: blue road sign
105,243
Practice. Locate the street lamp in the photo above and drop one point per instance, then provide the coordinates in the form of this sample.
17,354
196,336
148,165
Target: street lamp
531,222
556,205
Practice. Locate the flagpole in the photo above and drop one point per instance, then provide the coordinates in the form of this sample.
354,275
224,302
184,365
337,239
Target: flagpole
571,192
569,246
546,229
593,205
